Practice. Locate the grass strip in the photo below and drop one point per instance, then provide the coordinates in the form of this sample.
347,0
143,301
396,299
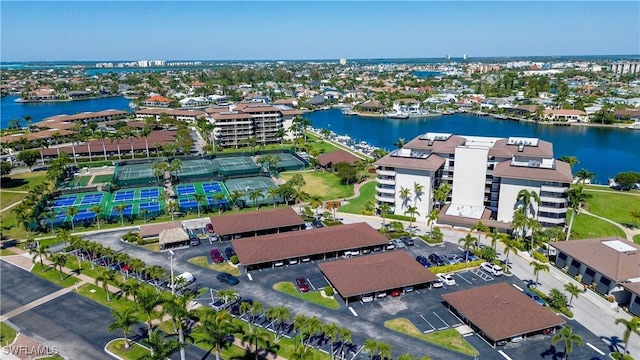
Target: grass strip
449,338
586,227
8,334
311,296
203,261
358,205
134,352
53,275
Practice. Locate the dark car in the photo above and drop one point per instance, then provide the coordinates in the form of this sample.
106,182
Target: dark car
435,259
194,241
228,278
208,228
235,308
423,261
470,255
302,284
229,252
216,256
407,241
317,224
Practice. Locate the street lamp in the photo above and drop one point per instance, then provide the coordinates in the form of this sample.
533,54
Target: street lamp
171,258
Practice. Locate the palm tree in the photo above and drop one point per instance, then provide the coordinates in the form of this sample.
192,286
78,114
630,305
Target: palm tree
279,314
412,211
571,160
172,207
299,325
311,326
254,195
442,193
218,198
526,197
214,327
371,346
145,134
316,202
345,337
58,261
400,143
27,121
147,302
567,336
573,290
301,352
496,236
272,193
177,308
117,136
106,276
72,211
102,135
300,197
253,310
123,320
235,196
405,195
333,206
630,326
131,287
537,267
584,175
98,211
480,228
255,336
331,331
635,216
432,218
384,210
509,245
120,209
199,198
576,196
161,348
38,252
469,242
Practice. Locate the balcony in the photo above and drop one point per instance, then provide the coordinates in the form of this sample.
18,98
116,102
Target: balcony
554,189
385,190
553,210
559,221
386,181
390,200
555,200
386,172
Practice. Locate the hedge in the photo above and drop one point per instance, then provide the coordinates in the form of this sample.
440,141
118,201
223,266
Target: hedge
328,290
400,217
455,267
541,258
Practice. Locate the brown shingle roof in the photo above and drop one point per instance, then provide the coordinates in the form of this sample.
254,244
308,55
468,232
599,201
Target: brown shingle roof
378,272
43,134
439,146
155,229
432,163
562,172
255,221
293,244
500,311
616,265
337,156
501,149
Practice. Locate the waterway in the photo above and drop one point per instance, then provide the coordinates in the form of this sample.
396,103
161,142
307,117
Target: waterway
604,151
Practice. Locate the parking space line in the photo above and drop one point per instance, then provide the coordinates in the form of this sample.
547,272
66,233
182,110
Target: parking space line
249,276
357,352
310,283
595,348
463,278
517,287
353,311
505,355
444,322
432,327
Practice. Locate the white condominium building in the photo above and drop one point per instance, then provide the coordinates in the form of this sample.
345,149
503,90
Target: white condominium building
486,174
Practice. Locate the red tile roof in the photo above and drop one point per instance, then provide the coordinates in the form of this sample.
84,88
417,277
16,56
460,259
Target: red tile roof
501,312
378,272
255,221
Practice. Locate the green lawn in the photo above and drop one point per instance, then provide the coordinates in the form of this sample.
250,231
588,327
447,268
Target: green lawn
357,205
54,275
8,198
8,334
317,144
17,181
449,338
311,296
324,184
636,239
224,266
585,227
116,302
134,352
615,206
101,179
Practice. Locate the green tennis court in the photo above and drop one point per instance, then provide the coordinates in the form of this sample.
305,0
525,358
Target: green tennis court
247,185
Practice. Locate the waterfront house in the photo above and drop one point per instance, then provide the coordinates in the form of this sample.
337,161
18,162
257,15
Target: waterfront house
157,101
371,107
628,114
566,115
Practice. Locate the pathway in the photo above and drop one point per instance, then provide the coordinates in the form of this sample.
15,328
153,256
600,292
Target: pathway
630,233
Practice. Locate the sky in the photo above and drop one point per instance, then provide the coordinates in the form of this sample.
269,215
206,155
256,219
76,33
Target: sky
299,30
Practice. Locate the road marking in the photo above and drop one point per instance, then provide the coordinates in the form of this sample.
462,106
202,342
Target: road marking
353,311
310,283
505,355
249,276
357,352
432,327
444,322
517,287
595,348
463,278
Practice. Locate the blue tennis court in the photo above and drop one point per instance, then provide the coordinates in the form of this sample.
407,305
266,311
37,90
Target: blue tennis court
128,211
183,190
65,201
149,193
84,214
188,203
91,199
212,201
124,195
212,187
151,207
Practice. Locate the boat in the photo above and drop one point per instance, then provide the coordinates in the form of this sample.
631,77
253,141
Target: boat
348,112
397,115
448,112
634,126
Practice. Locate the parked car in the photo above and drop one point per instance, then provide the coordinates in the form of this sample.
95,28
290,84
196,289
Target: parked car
302,284
390,246
437,284
208,228
436,260
305,259
292,261
398,244
517,339
216,256
451,259
229,252
317,223
469,255
396,293
220,304
278,263
492,269
235,308
423,261
377,248
352,252
194,241
308,226
535,297
366,298
407,241
228,278
447,279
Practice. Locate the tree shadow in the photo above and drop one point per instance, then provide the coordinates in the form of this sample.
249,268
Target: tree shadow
552,353
613,342
9,183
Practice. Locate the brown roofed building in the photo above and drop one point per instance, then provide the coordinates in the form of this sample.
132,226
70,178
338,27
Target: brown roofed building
327,241
500,312
378,272
257,223
153,230
327,160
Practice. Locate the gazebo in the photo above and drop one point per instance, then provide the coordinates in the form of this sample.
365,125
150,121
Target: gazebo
172,238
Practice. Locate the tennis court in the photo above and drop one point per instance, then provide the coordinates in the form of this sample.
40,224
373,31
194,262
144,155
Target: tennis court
249,184
139,173
211,190
136,200
65,201
196,168
83,202
236,165
289,162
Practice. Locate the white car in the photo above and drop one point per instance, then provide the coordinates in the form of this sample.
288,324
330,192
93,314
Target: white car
366,298
492,269
447,279
381,294
437,284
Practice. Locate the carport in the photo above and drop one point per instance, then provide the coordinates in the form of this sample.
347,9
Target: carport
373,273
172,238
261,251
257,223
500,312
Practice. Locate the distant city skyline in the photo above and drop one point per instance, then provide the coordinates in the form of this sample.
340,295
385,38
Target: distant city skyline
105,31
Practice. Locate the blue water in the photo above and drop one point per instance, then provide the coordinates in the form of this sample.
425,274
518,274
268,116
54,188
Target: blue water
10,109
600,150
426,74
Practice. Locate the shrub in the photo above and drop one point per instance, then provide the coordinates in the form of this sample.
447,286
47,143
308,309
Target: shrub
455,267
328,290
234,260
131,237
400,217
142,241
540,257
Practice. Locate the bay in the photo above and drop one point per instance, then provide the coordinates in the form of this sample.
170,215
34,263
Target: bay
604,151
